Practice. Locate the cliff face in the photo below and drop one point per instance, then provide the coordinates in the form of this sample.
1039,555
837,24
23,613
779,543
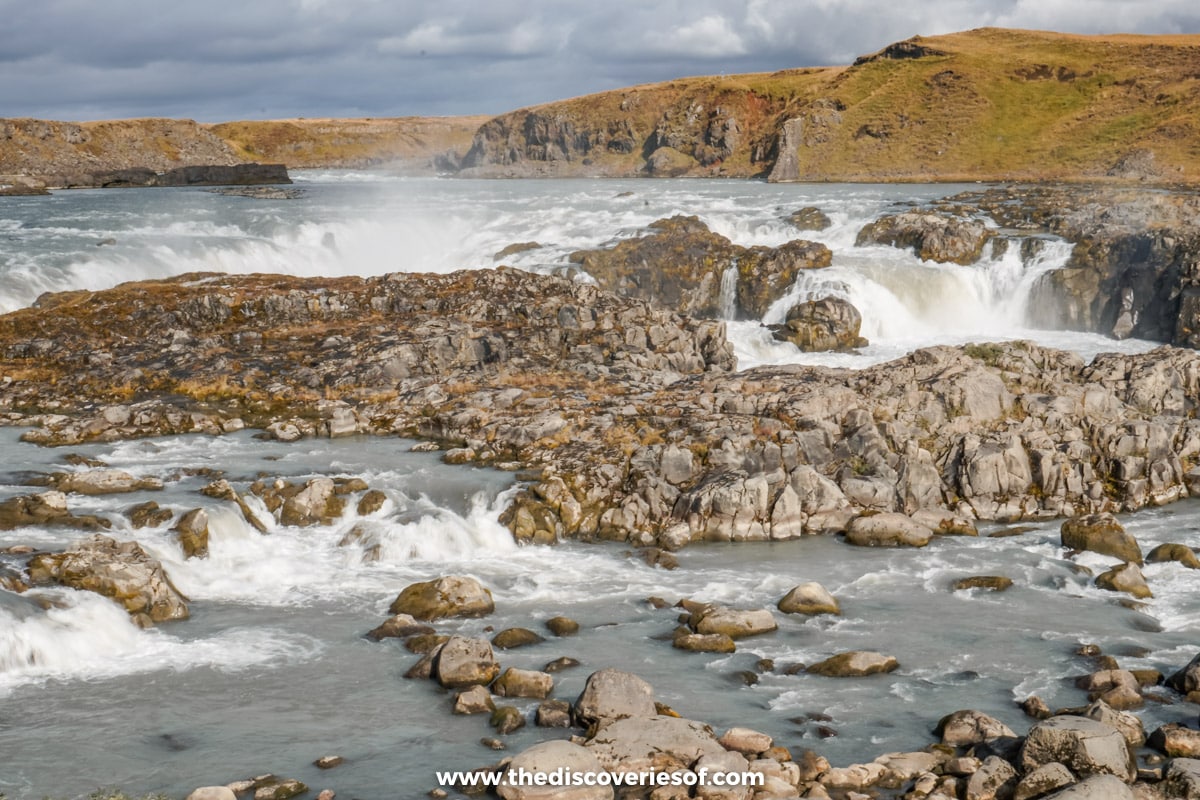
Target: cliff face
988,104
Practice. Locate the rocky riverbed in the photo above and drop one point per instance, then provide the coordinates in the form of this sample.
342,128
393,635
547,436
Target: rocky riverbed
629,422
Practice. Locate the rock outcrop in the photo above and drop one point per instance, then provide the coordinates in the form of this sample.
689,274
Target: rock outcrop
932,236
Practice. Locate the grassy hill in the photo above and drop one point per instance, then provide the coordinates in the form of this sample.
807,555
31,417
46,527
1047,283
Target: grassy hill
980,105
987,104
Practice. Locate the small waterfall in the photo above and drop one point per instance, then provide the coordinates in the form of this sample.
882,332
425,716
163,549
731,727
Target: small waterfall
728,296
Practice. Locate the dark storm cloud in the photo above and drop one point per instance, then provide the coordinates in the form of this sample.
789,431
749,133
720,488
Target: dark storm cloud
79,59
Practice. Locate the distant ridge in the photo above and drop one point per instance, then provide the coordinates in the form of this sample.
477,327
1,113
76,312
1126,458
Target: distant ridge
988,104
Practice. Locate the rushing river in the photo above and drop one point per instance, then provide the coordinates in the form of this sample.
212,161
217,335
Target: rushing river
272,671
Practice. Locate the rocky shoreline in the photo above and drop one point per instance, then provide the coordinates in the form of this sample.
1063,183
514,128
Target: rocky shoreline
628,422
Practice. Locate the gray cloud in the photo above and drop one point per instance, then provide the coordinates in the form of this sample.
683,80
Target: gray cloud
78,59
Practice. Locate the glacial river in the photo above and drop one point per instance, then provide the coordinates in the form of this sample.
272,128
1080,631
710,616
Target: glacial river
272,672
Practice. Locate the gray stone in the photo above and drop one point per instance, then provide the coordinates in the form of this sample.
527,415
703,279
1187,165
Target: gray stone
887,530
1084,746
809,598
463,662
547,758
969,727
612,694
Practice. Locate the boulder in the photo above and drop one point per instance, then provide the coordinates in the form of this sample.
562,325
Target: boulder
148,515
1126,578
612,694
746,741
888,529
511,638
1042,781
1176,741
854,664
549,758
476,700
1128,724
1100,533
1174,552
103,481
553,714
828,323
932,236
45,508
1084,746
122,571
400,626
192,533
810,218
1095,787
562,626
1116,688
992,583
506,719
316,503
370,502
463,662
994,780
684,639
733,623
523,683
212,793
655,742
1186,680
809,598
1182,779
968,727
450,596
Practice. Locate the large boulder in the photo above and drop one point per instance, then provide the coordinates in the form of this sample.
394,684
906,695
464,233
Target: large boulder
122,571
1174,552
1084,746
733,622
449,596
612,694
516,682
855,664
548,758
1126,578
887,530
1100,533
1182,779
45,508
932,236
1187,679
656,742
463,662
103,481
192,532
969,727
1095,787
994,779
809,598
1176,741
828,323
315,503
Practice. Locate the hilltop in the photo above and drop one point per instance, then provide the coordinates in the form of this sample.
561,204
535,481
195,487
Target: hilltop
989,104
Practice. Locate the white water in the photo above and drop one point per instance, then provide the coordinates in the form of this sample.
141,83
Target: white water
271,671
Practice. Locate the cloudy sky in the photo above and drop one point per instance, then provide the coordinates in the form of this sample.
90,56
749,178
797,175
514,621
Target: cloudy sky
254,59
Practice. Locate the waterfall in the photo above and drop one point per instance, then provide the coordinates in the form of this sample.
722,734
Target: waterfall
728,296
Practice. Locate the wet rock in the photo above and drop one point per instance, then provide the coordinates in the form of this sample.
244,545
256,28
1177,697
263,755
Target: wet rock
1036,708
103,481
329,762
279,789
828,323
887,530
370,502
399,626
1101,533
1176,741
506,719
932,236
192,533
612,694
463,662
425,642
562,626
734,623
523,683
316,503
684,639
1174,552
1128,724
810,218
548,758
553,714
46,508
476,700
450,596
943,523
968,727
121,571
1186,680
1126,578
559,664
149,515
1117,688
855,664
809,598
511,638
1042,781
1084,746
992,583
